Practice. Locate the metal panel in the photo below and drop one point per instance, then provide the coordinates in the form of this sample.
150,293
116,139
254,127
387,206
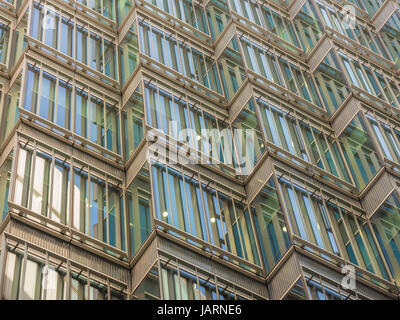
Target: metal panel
241,98
319,52
380,190
285,278
343,117
259,179
295,7
144,264
38,238
99,264
383,14
224,38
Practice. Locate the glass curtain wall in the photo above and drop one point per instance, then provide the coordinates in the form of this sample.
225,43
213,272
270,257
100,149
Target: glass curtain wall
270,225
80,41
359,152
70,193
5,178
72,106
265,62
331,226
301,137
178,55
203,212
140,209
386,225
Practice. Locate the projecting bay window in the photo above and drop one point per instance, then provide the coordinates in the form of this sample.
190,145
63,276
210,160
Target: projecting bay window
203,212
248,138
331,227
331,83
10,112
355,240
370,6
387,137
334,19
181,282
179,117
264,62
4,42
301,138
391,36
133,120
30,279
75,39
18,41
97,120
308,27
359,152
5,176
231,66
188,11
98,209
53,96
129,54
374,82
270,225
45,183
82,289
218,16
264,16
386,225
179,56
140,209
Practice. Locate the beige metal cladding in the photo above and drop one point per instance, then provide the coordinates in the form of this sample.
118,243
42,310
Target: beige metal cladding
384,13
319,52
144,264
285,278
381,188
345,115
241,98
260,177
224,38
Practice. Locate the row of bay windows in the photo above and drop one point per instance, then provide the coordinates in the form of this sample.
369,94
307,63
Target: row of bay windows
266,17
93,48
312,22
216,78
93,119
334,19
374,81
390,33
207,20
201,212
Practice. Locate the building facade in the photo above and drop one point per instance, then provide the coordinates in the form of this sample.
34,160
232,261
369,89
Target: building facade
112,188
